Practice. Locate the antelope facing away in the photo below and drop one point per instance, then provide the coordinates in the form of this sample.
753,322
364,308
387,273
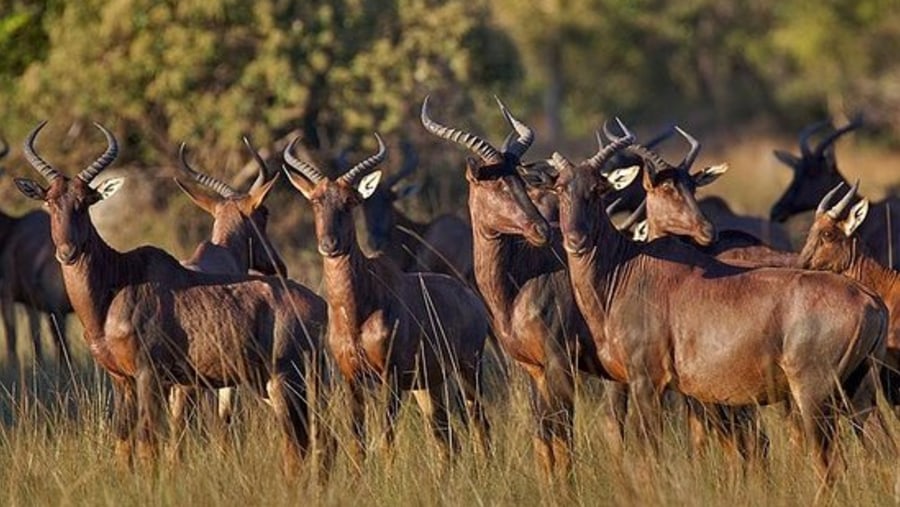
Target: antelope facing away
525,285
833,246
816,172
153,324
239,244
442,245
406,331
29,275
666,316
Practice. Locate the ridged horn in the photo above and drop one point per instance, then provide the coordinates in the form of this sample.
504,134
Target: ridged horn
103,161
46,170
832,137
692,153
524,134
839,208
479,146
616,143
826,201
216,185
264,172
306,169
366,165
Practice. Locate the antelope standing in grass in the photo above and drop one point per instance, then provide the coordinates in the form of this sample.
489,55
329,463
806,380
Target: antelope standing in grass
524,283
406,331
832,245
29,275
153,324
667,316
238,245
816,172
441,245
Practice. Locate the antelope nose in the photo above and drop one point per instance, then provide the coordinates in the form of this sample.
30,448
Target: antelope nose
327,245
575,243
65,254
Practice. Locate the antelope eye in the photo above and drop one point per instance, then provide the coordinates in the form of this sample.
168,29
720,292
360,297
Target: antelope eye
828,236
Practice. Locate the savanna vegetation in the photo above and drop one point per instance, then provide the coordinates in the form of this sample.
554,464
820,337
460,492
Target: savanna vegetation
743,77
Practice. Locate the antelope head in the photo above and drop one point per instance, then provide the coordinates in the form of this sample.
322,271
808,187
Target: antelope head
238,215
671,204
815,170
378,209
68,200
333,201
829,245
580,189
497,193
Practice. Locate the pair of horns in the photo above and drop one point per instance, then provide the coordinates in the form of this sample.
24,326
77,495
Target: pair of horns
87,175
516,144
811,129
219,186
835,211
604,153
312,173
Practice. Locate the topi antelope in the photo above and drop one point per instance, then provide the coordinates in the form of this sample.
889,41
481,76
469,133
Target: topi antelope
153,324
816,172
667,316
406,331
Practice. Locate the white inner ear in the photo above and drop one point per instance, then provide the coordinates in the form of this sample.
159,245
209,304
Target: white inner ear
857,214
623,176
368,184
641,231
110,187
710,174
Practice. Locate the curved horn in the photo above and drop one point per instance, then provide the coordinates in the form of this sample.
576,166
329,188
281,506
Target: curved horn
306,169
832,137
410,162
479,146
112,151
525,135
616,143
692,153
839,208
46,170
652,161
636,216
263,168
206,180
805,134
826,201
366,165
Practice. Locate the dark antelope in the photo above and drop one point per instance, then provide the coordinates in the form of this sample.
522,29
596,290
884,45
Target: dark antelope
31,276
525,285
153,324
816,172
667,316
405,331
441,245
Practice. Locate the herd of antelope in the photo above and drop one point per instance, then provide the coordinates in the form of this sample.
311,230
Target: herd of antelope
722,314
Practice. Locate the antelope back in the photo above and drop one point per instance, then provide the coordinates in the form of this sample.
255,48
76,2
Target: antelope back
815,171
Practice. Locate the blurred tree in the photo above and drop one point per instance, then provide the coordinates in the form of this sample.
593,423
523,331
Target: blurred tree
208,71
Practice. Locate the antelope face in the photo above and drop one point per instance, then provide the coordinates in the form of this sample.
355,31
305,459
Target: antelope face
241,219
673,208
830,244
813,177
333,204
501,205
67,202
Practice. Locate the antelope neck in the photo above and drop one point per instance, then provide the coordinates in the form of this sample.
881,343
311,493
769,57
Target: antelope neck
351,283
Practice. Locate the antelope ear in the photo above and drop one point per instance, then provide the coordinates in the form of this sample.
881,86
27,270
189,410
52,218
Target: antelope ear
641,232
110,187
368,184
622,177
857,214
258,195
786,158
203,201
31,189
408,191
298,181
709,174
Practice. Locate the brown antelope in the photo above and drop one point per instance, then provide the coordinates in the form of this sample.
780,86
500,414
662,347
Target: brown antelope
153,324
526,287
239,244
29,275
816,172
407,331
667,316
442,245
833,246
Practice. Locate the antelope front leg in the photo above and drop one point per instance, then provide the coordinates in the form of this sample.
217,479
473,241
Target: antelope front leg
149,403
647,404
9,327
178,400
124,419
34,327
394,398
433,403
358,422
